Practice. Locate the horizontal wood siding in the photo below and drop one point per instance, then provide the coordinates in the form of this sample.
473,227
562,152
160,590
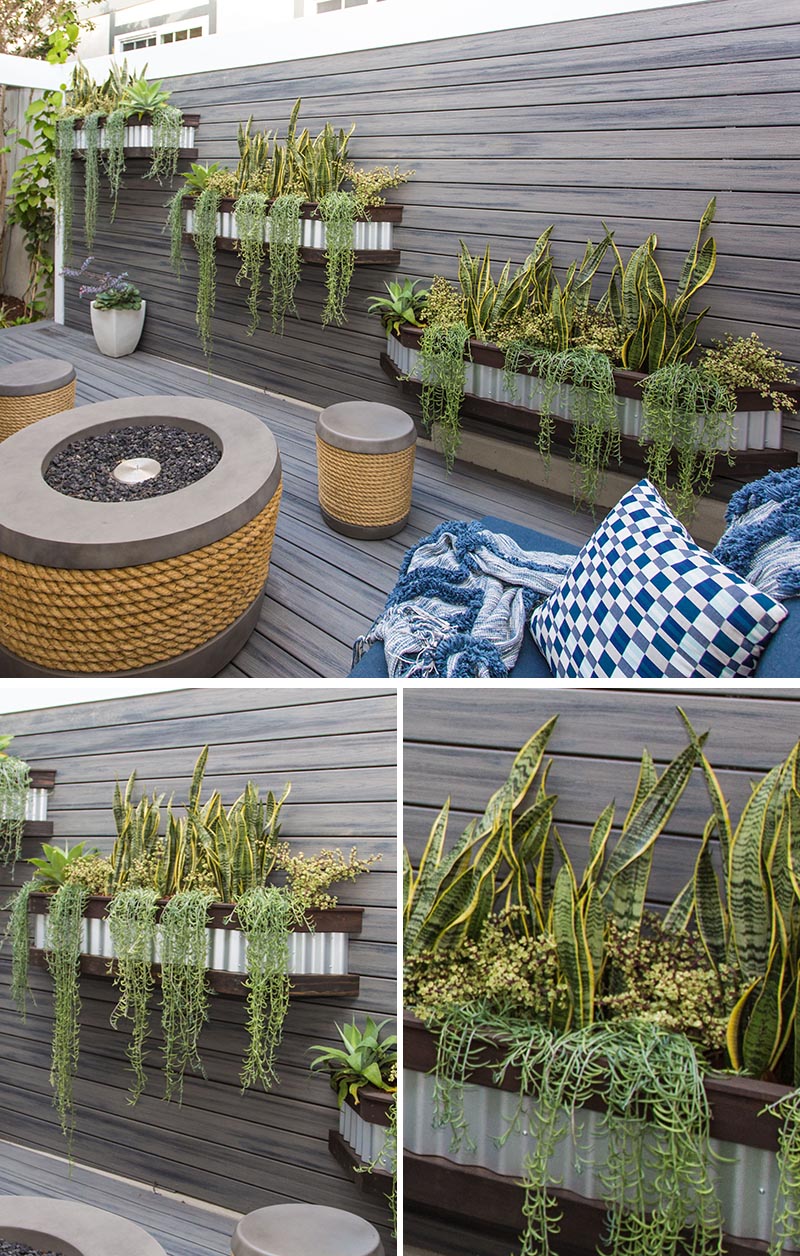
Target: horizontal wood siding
458,746
635,119
242,1151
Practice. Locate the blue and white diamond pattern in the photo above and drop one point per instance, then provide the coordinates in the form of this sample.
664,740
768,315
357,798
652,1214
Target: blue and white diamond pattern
643,600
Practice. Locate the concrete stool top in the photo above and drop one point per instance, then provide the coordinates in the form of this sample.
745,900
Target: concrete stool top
38,375
304,1230
365,427
75,1229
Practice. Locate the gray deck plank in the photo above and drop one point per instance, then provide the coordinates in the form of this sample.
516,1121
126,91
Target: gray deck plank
324,589
182,1228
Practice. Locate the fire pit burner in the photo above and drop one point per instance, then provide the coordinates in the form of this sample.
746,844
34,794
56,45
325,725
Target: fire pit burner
136,470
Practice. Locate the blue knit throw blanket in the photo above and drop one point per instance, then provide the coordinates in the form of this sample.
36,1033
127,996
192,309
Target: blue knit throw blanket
462,603
762,542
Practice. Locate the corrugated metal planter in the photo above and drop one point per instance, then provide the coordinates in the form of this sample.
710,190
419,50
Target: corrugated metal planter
362,1137
139,137
480,1178
753,426
318,960
373,235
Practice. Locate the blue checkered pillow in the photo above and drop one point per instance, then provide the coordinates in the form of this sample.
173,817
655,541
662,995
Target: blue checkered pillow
642,599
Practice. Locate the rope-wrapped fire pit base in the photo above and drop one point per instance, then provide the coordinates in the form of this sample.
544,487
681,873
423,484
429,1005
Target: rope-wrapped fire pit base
133,617
73,606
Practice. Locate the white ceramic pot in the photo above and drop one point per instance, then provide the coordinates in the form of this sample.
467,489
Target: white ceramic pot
117,332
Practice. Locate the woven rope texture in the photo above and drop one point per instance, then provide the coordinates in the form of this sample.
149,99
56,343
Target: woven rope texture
128,617
366,490
19,412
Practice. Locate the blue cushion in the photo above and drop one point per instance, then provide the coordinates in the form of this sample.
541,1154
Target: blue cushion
643,600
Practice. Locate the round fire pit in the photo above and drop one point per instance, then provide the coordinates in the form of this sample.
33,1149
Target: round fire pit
166,584
60,1225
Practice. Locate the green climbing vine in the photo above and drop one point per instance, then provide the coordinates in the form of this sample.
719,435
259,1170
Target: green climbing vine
250,212
132,924
338,211
284,256
184,985
266,915
63,946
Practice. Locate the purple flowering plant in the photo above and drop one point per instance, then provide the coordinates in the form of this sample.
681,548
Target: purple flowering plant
110,292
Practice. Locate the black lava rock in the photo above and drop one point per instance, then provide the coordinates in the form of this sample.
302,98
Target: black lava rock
84,468
21,1249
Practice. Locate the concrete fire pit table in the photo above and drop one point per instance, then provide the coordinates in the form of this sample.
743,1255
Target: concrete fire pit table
165,586
73,1229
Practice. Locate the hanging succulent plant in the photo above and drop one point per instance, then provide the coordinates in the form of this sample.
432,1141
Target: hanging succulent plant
132,925
266,915
167,121
62,178
114,153
184,985
91,129
205,241
250,212
20,942
284,256
64,929
338,211
174,226
15,781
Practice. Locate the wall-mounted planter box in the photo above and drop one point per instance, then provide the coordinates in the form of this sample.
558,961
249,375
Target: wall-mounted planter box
318,960
513,414
372,235
361,1139
139,137
42,783
481,1184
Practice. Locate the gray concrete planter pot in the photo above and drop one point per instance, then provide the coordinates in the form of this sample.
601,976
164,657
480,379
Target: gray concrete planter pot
169,585
483,1180
318,960
117,332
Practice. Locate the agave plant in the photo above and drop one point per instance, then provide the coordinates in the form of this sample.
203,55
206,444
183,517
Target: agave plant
403,305
365,1059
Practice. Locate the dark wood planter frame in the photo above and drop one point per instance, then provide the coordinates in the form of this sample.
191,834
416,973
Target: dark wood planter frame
229,984
519,425
471,1196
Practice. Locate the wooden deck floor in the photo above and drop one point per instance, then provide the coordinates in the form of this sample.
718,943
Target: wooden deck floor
182,1228
323,589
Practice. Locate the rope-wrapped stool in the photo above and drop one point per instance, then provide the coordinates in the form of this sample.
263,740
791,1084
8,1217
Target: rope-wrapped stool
32,390
365,464
169,585
304,1230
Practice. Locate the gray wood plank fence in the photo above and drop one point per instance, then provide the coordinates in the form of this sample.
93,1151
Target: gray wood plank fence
456,745
241,1151
636,119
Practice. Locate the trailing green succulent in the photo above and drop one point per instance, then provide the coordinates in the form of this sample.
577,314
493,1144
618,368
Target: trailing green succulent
284,256
174,225
17,932
250,212
204,231
132,926
15,782
266,915
687,420
114,153
338,211
62,179
184,985
91,129
63,949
